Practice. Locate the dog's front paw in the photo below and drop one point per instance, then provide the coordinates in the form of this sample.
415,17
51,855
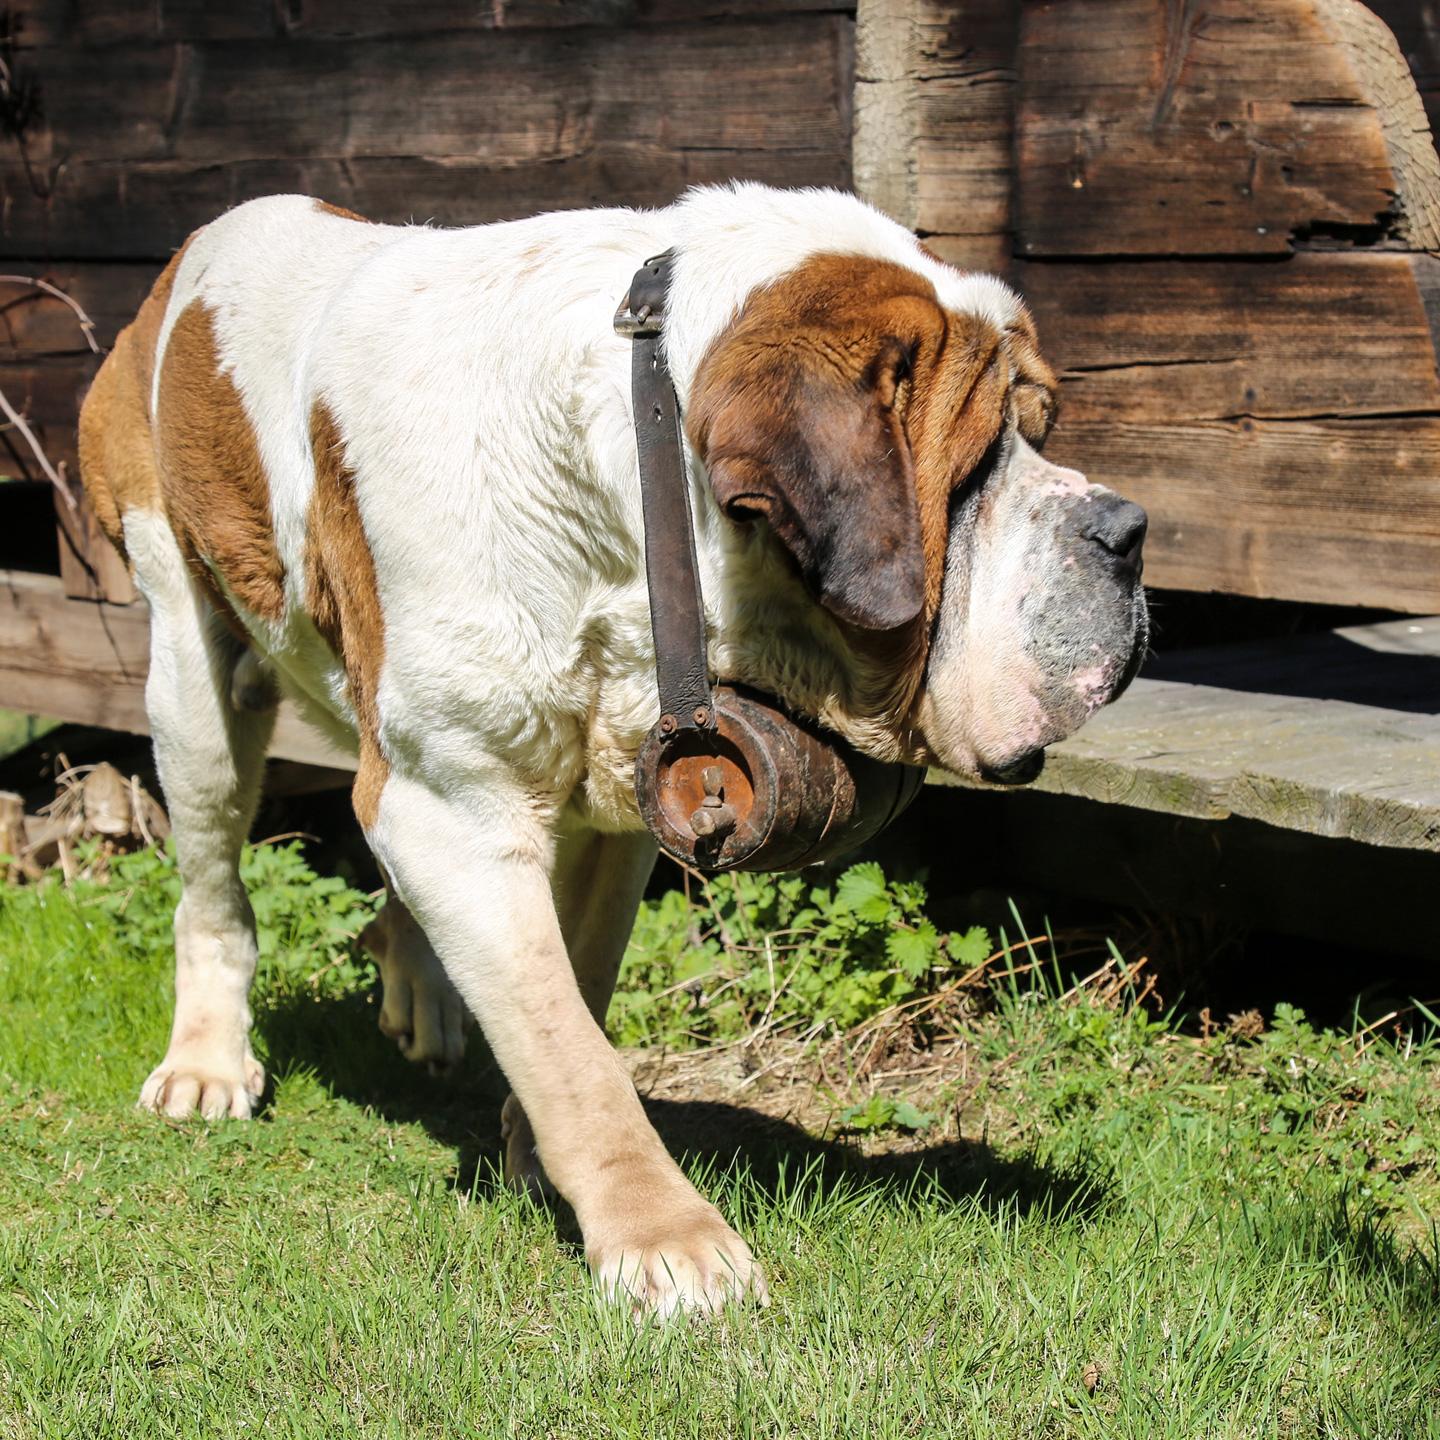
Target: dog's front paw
687,1259
189,1082
422,1011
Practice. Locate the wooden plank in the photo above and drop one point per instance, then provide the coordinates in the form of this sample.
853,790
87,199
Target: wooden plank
1320,334
90,566
70,659
1242,732
934,121
1240,401
123,22
1213,127
1258,507
48,392
506,123
151,207
521,98
86,663
42,338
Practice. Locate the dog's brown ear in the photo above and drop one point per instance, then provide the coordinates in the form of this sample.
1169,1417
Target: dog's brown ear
820,455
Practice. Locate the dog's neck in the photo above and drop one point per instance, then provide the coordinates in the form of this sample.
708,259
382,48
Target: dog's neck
765,630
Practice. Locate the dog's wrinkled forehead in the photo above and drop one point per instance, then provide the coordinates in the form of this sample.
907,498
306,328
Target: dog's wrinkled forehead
845,405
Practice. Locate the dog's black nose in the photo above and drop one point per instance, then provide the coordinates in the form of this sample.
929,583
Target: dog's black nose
1117,526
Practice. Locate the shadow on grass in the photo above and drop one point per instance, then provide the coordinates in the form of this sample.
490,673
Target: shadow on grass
1329,1229
338,1042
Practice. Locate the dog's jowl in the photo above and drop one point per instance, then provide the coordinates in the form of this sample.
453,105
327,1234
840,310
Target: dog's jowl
390,472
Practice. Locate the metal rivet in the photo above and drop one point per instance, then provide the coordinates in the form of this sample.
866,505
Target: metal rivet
702,715
667,724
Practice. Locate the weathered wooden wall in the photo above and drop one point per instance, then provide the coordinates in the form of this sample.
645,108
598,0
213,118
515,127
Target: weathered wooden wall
152,118
1223,213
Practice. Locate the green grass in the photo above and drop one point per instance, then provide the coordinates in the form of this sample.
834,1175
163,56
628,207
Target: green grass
1238,1235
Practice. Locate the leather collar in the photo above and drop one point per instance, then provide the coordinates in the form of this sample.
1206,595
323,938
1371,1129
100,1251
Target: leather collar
677,611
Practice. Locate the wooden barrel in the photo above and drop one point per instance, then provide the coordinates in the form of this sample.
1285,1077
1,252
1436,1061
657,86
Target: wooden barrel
764,790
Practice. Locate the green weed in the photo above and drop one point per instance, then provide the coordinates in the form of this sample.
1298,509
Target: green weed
785,951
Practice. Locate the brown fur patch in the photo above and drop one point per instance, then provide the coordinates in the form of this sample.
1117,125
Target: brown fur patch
871,338
216,493
1034,394
342,598
340,212
117,453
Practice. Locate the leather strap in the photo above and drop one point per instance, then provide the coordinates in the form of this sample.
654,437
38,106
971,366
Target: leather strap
677,615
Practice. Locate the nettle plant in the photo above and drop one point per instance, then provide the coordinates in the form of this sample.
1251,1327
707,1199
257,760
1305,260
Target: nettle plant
305,923
741,952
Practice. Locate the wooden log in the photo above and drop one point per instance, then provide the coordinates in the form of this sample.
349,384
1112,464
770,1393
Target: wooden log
1280,422
934,121
1416,28
1217,127
123,22
141,143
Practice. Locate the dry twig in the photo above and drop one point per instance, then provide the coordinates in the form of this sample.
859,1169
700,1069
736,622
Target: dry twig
52,472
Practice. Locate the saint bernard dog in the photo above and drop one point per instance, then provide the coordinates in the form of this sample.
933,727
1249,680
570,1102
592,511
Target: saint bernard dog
390,472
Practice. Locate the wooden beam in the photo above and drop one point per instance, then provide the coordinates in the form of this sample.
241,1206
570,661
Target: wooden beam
86,662
934,121
98,23
1280,421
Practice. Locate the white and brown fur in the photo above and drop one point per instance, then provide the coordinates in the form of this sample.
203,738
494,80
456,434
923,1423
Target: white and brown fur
390,471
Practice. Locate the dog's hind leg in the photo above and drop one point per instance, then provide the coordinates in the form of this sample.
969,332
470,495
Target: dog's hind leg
422,1012
210,754
597,883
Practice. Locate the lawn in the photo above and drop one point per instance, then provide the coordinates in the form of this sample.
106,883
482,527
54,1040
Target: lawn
1084,1222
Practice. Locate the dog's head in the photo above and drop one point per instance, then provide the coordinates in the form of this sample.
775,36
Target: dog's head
889,444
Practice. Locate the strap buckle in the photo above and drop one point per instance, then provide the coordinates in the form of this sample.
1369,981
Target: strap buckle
642,311
636,325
